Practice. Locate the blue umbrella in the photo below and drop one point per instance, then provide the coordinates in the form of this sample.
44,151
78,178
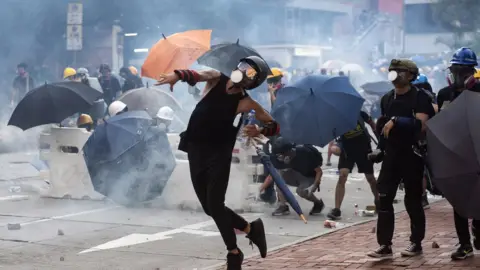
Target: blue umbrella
316,109
277,178
128,159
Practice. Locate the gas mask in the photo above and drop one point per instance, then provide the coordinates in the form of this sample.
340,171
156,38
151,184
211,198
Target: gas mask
461,76
399,78
284,158
243,76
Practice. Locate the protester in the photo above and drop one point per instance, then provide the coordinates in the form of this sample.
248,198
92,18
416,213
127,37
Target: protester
131,81
83,75
110,84
116,108
164,117
70,74
21,84
301,167
210,138
274,82
405,110
85,121
355,147
462,77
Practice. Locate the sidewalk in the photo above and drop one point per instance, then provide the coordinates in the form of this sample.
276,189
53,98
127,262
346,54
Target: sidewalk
346,248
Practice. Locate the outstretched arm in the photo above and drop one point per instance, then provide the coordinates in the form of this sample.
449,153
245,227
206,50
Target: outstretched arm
208,75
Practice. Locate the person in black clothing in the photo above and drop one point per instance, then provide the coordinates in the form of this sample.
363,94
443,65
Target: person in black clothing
131,81
301,167
110,84
21,84
461,78
355,147
210,138
405,110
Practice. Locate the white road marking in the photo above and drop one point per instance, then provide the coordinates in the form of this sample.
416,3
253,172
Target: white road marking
140,238
69,215
14,198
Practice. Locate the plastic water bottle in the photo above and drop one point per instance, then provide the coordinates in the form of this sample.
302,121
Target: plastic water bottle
356,209
249,120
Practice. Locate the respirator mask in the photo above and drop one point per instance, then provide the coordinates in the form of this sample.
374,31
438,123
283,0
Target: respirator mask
399,77
244,75
460,76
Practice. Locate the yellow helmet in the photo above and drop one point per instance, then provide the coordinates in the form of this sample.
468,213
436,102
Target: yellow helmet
84,119
69,72
133,70
276,72
477,74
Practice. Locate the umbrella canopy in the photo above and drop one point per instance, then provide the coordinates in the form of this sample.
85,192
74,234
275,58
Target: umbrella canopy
352,68
316,109
225,57
177,51
129,160
453,153
334,64
150,99
377,88
52,103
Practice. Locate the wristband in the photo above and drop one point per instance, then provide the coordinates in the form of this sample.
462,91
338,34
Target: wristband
187,75
270,129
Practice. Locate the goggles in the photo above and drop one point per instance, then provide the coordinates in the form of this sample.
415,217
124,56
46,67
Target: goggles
248,70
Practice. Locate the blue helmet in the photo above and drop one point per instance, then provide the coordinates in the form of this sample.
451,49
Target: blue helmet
422,78
464,56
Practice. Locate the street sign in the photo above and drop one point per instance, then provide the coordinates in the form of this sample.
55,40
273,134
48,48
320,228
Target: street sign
75,13
74,38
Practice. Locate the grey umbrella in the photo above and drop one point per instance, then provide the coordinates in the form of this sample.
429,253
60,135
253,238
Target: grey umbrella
453,138
150,99
225,57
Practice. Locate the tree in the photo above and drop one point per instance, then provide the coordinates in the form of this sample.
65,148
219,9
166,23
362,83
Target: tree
459,17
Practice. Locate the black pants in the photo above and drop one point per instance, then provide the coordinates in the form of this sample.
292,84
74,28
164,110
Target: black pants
395,168
461,225
210,172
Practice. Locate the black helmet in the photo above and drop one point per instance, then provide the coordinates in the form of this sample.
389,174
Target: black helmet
281,146
262,68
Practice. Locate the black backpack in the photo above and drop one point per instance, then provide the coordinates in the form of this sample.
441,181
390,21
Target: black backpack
316,153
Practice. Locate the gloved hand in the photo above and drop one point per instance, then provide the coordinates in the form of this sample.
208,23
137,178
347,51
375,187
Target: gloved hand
311,189
376,156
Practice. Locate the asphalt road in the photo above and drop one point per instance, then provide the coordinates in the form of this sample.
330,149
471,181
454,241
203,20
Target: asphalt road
58,234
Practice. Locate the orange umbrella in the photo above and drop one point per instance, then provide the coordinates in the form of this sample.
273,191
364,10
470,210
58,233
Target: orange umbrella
178,51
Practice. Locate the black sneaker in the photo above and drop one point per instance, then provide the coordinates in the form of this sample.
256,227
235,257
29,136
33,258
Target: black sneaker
383,252
234,261
282,210
463,252
476,237
425,203
317,208
335,214
257,236
412,250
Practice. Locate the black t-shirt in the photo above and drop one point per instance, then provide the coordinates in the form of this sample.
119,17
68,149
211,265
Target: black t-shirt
357,138
406,105
20,84
306,160
449,94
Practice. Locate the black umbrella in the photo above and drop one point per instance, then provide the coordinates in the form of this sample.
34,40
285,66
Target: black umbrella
225,57
453,138
52,103
128,159
377,88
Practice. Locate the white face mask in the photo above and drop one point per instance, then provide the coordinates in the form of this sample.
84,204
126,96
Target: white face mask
392,75
236,76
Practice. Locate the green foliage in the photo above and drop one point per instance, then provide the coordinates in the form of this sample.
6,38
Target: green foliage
462,18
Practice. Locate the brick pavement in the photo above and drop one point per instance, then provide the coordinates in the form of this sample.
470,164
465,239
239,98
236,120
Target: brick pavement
346,248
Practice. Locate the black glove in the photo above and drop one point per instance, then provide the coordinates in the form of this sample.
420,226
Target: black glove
376,156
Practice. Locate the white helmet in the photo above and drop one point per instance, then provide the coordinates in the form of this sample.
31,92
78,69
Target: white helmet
165,113
116,107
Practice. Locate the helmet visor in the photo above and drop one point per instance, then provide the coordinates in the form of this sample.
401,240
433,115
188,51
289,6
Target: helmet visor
247,69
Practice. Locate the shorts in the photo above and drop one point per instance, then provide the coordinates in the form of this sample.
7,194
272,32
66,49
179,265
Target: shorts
295,179
361,160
